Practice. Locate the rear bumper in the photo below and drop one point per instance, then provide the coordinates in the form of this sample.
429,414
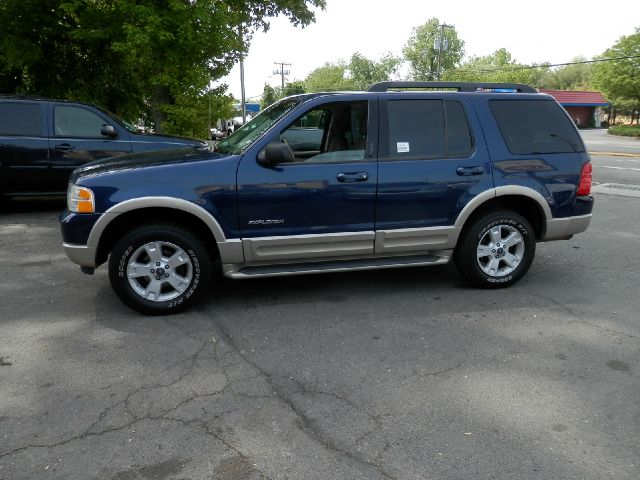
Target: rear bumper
564,228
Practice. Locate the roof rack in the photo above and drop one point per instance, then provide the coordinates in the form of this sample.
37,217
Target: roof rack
459,86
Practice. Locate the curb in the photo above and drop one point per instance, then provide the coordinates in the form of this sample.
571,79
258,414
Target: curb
615,154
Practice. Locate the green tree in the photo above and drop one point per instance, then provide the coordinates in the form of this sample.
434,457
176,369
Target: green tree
430,48
499,67
571,77
329,78
268,96
365,72
294,88
619,80
143,57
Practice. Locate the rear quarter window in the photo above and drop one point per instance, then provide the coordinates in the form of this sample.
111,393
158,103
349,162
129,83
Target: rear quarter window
535,127
20,119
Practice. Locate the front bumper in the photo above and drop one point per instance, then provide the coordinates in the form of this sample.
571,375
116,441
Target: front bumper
81,254
76,230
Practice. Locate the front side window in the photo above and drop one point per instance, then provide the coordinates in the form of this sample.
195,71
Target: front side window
243,138
532,127
330,133
71,121
20,119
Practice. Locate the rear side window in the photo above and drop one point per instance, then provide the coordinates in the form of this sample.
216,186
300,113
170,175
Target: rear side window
428,129
70,121
20,119
535,126
416,128
459,143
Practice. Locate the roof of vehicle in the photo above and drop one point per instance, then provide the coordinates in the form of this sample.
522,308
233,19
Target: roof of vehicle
456,86
36,98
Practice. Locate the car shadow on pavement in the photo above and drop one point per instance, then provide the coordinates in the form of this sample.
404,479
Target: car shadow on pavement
32,204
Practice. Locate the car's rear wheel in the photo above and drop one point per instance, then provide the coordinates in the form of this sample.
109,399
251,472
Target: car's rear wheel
496,250
159,269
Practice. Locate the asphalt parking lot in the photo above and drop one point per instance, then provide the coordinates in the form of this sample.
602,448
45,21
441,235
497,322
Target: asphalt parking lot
398,374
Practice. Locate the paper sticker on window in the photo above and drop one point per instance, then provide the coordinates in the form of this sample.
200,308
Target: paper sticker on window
403,147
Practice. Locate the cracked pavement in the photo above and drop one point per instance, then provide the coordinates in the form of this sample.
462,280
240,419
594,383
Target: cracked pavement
398,374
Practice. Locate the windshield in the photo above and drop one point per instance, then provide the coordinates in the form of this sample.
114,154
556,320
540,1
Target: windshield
249,133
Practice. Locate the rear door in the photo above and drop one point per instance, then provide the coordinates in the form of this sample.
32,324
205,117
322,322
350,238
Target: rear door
76,139
433,160
24,147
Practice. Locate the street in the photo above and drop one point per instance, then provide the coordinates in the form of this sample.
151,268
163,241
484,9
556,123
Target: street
392,374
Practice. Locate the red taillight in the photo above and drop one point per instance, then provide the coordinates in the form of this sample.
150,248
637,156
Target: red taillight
584,186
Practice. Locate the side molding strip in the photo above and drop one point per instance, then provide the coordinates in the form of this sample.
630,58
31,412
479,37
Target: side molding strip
150,202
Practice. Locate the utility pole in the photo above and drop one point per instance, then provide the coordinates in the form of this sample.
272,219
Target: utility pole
441,43
244,105
282,71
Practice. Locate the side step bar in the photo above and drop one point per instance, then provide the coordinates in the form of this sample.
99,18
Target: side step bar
256,271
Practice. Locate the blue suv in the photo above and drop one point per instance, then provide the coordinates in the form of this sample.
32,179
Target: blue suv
405,174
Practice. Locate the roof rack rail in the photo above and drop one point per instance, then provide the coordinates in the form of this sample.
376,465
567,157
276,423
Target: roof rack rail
459,86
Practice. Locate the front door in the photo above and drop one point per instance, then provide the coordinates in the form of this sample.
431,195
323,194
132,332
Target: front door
77,139
321,205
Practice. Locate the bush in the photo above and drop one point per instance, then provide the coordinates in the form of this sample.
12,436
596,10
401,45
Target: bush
625,130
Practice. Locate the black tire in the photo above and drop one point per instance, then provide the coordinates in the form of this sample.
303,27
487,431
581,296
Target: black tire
195,269
473,243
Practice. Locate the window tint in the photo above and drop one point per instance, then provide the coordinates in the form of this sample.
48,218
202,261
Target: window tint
459,143
416,128
70,121
535,126
18,118
330,133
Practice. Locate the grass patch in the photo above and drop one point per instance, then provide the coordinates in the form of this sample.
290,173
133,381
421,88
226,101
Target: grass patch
625,130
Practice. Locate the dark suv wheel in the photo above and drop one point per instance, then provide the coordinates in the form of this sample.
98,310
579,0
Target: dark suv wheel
159,269
496,250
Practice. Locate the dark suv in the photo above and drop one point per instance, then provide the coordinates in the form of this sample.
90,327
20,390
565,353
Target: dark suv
42,141
477,173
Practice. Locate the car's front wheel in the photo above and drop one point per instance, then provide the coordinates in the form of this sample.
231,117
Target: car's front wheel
496,250
159,269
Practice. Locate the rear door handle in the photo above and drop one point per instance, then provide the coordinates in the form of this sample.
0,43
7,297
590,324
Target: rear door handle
65,147
465,171
349,177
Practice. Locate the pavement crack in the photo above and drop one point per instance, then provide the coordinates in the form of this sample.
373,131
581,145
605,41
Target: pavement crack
306,424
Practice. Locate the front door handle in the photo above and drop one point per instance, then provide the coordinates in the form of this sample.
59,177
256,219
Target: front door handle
65,147
465,171
348,177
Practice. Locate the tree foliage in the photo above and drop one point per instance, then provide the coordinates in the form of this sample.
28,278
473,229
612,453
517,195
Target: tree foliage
135,57
498,67
569,77
365,72
357,74
423,55
269,96
619,80
331,77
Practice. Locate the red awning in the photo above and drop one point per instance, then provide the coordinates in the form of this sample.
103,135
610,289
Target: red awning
569,98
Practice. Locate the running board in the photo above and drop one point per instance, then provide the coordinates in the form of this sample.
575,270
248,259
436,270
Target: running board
306,268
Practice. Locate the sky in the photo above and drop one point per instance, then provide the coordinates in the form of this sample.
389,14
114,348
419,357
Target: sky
554,31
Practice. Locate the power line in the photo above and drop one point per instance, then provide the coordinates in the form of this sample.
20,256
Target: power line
548,65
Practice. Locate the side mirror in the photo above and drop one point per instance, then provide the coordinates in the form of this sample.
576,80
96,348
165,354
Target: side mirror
108,131
275,153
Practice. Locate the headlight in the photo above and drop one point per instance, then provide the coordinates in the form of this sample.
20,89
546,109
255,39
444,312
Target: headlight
80,199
